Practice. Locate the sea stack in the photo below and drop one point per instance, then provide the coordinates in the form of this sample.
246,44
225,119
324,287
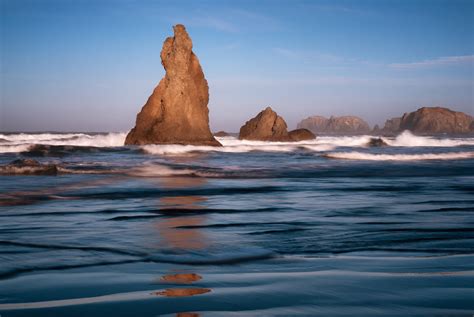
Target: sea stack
335,125
269,126
433,120
392,126
176,112
266,126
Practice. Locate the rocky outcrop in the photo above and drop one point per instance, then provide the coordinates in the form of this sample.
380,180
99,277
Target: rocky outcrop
376,142
176,112
316,124
301,135
28,167
266,126
433,120
221,134
391,126
376,130
347,125
269,126
335,125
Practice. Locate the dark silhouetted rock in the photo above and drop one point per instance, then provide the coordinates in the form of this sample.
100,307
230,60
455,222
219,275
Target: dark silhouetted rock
221,134
301,135
28,167
266,126
376,142
176,112
335,125
433,120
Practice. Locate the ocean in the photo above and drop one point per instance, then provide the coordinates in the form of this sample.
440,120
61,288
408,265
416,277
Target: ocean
328,227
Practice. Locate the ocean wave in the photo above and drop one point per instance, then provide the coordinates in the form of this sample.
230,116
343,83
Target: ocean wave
406,138
51,143
400,157
23,142
14,148
233,145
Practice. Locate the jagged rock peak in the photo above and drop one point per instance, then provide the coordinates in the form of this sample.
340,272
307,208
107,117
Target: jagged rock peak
176,112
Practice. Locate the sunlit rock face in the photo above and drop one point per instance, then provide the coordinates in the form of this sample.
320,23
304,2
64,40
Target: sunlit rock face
269,126
432,120
176,112
266,126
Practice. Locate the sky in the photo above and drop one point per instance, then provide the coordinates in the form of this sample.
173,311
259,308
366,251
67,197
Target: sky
90,65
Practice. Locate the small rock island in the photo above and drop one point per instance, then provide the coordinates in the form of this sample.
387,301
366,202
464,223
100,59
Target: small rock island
176,112
269,126
335,125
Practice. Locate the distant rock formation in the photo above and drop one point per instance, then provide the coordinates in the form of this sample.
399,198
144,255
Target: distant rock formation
301,135
316,124
392,126
176,112
266,126
376,130
28,167
335,125
433,120
221,134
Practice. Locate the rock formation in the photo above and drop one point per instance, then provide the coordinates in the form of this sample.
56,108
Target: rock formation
266,126
269,126
392,126
432,120
221,134
376,142
316,124
301,135
335,125
376,130
347,125
176,112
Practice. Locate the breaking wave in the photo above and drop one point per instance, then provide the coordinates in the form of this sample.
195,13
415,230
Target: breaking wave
46,144
236,146
408,139
22,142
400,157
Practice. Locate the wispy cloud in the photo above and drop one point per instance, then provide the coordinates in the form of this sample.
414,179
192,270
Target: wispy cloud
314,56
214,23
441,61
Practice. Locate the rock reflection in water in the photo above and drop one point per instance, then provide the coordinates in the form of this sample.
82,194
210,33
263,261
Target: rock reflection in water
181,278
184,239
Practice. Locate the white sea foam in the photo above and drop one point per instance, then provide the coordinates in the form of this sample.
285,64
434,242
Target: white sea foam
22,141
408,139
400,157
13,148
233,145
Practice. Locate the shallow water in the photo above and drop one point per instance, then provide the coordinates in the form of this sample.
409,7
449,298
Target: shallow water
324,227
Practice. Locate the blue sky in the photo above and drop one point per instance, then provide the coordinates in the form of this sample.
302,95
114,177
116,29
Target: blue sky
91,65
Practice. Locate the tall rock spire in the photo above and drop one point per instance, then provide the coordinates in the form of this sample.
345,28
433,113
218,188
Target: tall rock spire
176,112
